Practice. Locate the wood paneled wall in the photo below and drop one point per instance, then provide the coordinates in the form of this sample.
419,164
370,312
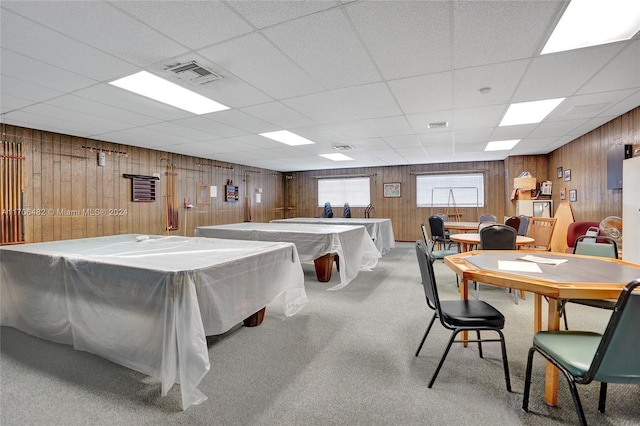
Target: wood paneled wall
67,195
586,157
63,180
403,212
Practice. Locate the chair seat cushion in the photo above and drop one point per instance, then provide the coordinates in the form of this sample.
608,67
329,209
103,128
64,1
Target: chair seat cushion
439,254
574,350
595,303
471,313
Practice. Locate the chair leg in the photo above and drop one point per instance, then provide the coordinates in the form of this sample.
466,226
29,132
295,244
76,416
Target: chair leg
576,399
479,343
527,381
433,318
603,397
563,313
444,356
505,362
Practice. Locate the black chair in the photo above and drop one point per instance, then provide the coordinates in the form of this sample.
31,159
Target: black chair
487,218
367,211
438,234
458,315
587,245
498,237
346,211
328,211
435,254
524,225
514,222
585,356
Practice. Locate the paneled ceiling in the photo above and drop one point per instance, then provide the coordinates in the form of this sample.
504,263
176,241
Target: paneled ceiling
367,76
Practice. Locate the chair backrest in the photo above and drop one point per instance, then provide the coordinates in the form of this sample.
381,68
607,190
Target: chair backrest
425,236
577,229
346,211
514,222
367,211
444,216
585,245
487,218
425,263
436,225
541,230
498,237
524,225
615,361
328,211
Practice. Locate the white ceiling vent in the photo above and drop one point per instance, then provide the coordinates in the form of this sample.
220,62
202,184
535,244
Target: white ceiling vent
194,72
342,147
438,125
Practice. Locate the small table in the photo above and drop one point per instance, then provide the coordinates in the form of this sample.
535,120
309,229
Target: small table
580,277
467,241
462,226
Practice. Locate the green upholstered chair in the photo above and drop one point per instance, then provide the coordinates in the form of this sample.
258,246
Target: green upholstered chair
586,356
603,247
435,254
458,315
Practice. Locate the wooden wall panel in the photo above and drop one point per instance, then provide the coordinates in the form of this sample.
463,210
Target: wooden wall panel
62,176
586,157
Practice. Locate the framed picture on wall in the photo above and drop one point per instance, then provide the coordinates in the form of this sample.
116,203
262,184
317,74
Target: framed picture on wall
559,173
573,195
563,194
567,175
391,190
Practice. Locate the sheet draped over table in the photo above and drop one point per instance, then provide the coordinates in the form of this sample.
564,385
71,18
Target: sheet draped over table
352,244
146,304
380,229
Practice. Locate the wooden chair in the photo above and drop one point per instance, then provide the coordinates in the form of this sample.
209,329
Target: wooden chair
541,229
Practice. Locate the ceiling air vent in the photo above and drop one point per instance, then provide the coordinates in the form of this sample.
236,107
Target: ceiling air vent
342,147
438,125
194,72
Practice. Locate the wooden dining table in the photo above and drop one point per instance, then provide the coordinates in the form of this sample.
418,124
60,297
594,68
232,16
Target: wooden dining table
461,226
578,277
470,240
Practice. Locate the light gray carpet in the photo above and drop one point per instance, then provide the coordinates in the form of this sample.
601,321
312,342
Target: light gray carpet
346,359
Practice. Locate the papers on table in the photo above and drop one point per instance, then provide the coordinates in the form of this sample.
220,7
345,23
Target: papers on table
545,260
511,265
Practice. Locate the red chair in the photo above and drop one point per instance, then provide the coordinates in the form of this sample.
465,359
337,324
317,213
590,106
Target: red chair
577,229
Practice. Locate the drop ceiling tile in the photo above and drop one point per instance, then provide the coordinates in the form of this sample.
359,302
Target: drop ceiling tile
390,126
241,120
41,74
419,122
10,103
26,90
405,38
470,147
472,135
103,26
264,14
81,105
487,116
423,93
320,107
368,101
523,28
368,144
402,141
276,75
278,114
352,130
562,74
436,138
202,23
326,47
98,124
502,79
512,132
555,128
51,47
622,72
214,129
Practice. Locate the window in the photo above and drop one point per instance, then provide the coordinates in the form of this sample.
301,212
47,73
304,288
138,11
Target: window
448,190
337,191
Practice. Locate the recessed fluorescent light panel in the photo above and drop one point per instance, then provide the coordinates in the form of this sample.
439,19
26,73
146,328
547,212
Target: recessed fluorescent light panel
336,157
529,112
501,145
594,22
285,136
146,84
